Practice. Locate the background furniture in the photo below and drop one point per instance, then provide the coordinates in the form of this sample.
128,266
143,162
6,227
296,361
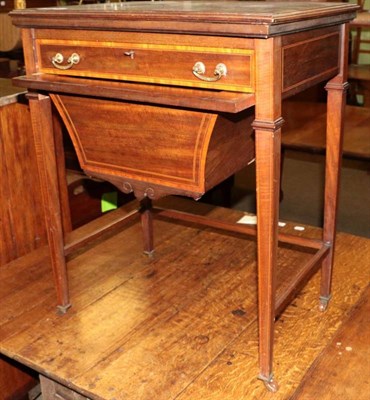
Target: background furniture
305,129
21,208
11,55
22,227
359,71
359,24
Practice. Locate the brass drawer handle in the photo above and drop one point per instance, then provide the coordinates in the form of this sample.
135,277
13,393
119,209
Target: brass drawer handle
58,59
199,70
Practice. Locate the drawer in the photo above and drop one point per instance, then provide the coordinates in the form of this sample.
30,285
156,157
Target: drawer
169,151
221,68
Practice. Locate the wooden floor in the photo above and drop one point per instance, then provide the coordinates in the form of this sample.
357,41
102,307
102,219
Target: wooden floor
182,324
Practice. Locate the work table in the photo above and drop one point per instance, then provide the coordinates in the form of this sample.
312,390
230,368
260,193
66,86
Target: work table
165,98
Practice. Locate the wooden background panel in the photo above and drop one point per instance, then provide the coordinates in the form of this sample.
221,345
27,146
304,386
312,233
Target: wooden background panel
22,217
21,224
15,380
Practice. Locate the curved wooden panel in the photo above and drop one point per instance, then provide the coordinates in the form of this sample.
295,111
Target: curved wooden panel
160,145
153,150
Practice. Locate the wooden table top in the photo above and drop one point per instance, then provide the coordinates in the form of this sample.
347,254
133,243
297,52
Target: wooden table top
252,18
179,325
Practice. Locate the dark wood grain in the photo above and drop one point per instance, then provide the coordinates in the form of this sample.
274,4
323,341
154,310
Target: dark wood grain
322,58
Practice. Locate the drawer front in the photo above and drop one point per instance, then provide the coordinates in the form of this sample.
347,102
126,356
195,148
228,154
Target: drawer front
169,151
166,147
215,67
320,51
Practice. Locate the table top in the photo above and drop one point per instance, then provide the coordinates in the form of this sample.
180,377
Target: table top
144,328
252,18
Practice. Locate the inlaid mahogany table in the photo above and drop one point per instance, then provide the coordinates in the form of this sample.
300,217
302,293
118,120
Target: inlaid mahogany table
165,98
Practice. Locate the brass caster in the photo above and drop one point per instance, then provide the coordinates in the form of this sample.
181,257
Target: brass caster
270,384
61,310
149,253
324,302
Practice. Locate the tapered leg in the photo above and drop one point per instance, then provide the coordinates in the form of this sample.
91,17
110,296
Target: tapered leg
268,171
336,88
147,225
41,117
282,159
267,127
62,176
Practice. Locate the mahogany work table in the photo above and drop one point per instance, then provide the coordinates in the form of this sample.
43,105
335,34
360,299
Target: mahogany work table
167,98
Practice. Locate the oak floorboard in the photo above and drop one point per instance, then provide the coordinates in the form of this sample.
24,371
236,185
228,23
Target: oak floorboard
180,325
